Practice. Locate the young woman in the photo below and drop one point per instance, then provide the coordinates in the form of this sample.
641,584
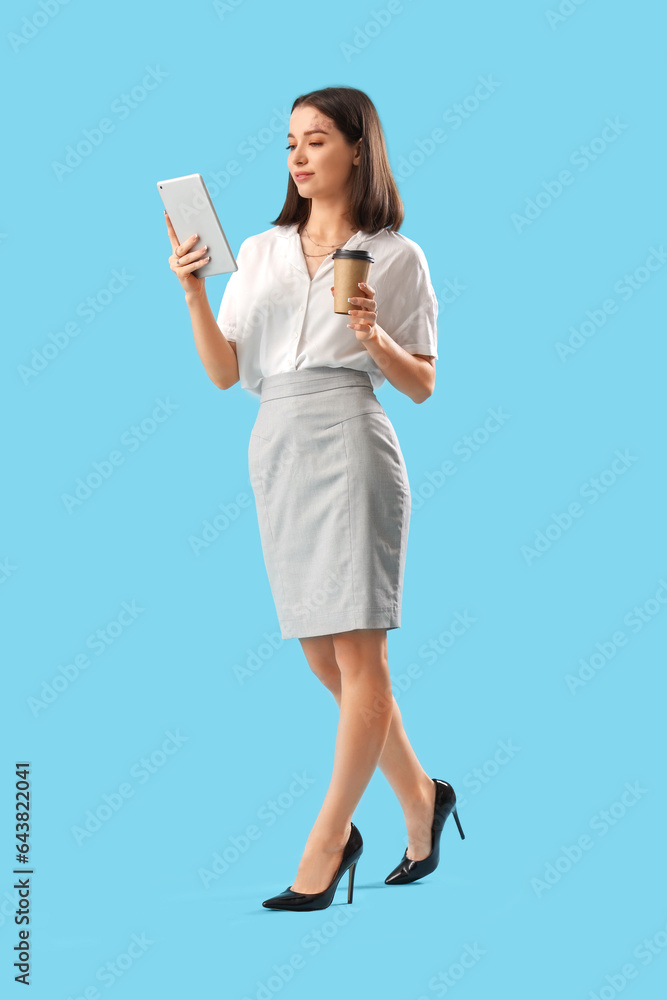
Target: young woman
326,469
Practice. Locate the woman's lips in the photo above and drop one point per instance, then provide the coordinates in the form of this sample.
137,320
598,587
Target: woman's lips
302,177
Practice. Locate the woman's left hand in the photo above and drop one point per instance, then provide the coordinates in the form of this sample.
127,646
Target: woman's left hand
364,317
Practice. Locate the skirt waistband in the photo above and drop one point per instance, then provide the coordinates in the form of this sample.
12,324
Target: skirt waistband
315,379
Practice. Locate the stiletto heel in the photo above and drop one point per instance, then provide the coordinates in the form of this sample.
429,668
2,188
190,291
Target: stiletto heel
409,871
290,900
350,882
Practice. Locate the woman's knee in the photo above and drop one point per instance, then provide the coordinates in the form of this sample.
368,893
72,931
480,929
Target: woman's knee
363,652
360,642
319,652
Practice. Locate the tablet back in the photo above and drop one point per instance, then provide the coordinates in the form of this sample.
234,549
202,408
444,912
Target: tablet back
191,210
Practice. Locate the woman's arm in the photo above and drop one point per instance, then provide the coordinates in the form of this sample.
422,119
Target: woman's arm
218,355
413,374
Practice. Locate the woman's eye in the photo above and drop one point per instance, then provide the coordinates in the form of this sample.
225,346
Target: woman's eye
312,144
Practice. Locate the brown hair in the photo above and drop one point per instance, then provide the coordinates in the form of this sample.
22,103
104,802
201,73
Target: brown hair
374,202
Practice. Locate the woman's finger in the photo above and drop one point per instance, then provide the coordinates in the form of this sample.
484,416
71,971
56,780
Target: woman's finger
188,268
175,245
363,306
360,301
181,268
187,257
173,238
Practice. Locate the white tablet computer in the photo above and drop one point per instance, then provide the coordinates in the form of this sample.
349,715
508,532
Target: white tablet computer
191,210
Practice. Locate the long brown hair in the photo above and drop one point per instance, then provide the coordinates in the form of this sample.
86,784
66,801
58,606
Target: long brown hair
374,201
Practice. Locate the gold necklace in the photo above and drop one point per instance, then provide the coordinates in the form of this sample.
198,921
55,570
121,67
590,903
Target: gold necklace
335,245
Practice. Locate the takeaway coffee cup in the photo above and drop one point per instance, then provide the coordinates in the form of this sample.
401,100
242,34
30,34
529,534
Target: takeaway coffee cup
350,267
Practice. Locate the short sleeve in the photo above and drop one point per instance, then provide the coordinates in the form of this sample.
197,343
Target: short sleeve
227,314
408,311
227,311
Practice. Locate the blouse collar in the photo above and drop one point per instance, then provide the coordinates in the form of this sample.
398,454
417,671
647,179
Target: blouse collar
293,251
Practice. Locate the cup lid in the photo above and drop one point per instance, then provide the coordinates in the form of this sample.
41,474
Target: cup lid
352,255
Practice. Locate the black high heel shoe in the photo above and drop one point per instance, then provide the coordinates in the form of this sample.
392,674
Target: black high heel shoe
408,870
290,900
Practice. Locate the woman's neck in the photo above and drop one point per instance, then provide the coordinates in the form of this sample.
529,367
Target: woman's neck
328,230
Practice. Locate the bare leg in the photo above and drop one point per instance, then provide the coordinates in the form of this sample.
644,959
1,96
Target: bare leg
365,717
398,762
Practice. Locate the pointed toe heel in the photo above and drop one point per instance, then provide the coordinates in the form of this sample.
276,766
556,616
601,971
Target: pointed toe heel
408,870
290,900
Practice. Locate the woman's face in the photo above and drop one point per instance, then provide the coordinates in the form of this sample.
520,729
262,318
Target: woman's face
324,155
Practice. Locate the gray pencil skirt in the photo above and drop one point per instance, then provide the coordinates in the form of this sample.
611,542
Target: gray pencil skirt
333,502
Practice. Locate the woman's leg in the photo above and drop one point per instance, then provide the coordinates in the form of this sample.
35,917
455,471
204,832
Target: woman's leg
363,724
398,762
353,666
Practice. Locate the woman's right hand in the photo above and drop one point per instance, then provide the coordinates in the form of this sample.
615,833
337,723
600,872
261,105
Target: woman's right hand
184,260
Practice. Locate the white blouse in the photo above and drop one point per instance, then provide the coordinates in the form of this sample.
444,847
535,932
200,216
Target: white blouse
282,320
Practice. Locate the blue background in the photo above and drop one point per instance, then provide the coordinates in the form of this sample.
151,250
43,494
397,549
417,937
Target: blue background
540,919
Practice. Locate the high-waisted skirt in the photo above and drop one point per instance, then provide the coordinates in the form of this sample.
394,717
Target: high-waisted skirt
333,502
